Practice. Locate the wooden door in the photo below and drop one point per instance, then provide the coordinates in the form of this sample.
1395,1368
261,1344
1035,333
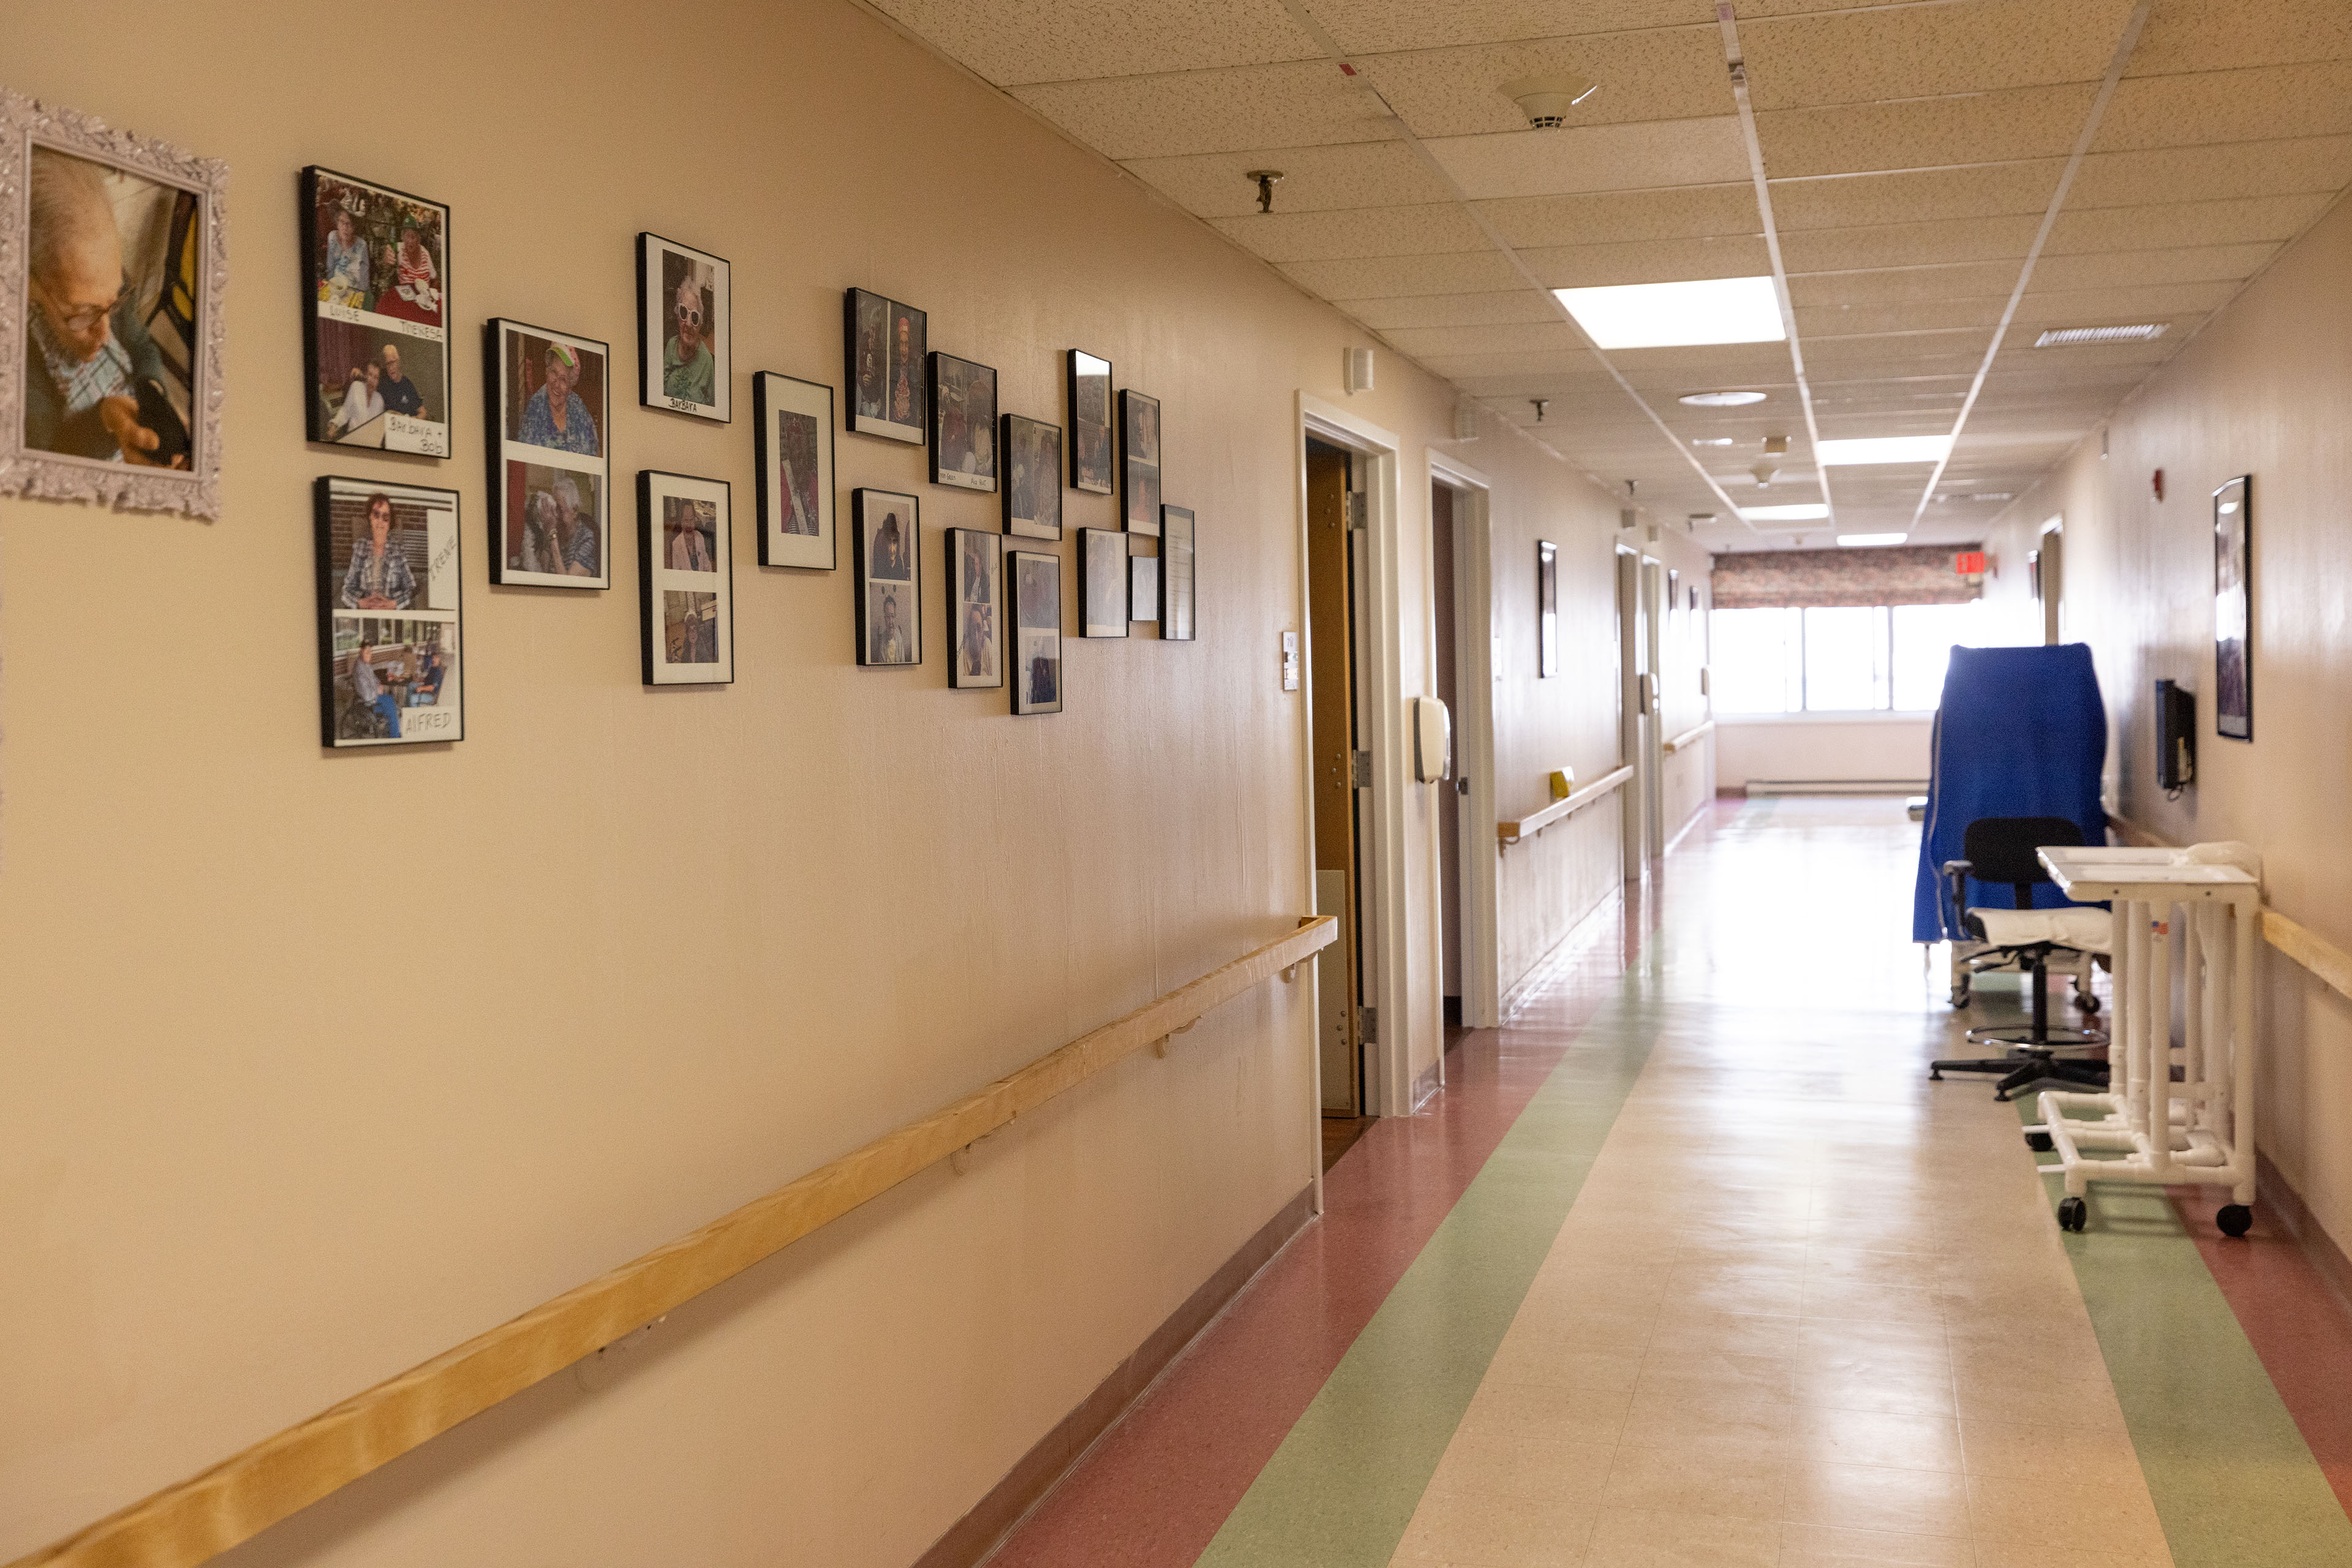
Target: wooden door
1331,685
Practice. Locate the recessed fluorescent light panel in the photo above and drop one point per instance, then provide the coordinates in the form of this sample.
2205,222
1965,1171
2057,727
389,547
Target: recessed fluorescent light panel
1809,512
1882,450
1710,440
1721,399
1677,315
2076,337
1872,538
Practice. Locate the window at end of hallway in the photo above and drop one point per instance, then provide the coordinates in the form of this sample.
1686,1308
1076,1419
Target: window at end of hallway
1846,659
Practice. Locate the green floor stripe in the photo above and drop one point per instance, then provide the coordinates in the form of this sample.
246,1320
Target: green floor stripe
2235,1483
1343,1486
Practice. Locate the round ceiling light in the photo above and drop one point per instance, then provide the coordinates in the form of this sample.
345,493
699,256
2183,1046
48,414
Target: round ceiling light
1723,399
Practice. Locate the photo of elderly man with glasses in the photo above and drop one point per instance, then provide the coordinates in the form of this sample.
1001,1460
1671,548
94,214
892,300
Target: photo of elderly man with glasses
689,369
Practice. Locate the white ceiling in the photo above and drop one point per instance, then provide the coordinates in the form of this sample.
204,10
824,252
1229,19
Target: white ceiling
1912,154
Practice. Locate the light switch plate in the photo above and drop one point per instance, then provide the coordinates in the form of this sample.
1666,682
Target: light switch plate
1290,661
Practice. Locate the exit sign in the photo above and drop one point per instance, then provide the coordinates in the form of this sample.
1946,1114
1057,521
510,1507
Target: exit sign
1969,563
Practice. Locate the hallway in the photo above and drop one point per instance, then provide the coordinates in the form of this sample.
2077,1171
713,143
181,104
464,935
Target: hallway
1692,1265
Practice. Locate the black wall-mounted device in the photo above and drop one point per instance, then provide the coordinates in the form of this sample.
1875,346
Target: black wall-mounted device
2175,736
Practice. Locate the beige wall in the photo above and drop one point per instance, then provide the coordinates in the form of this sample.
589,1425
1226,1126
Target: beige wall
2266,390
1813,747
319,1064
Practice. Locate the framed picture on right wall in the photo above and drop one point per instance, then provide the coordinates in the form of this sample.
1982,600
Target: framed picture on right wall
2233,609
1178,554
1547,608
1139,460
1036,643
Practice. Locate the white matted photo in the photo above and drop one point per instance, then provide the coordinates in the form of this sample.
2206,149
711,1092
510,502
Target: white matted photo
975,609
1036,650
1102,583
549,404
390,607
686,579
889,562
795,447
1179,565
683,329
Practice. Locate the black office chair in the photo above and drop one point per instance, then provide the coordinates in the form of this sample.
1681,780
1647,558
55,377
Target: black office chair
2001,849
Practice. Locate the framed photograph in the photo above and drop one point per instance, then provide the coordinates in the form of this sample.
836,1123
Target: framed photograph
550,404
963,424
1032,478
890,577
376,284
1090,447
1143,587
2233,609
1547,608
794,446
1139,460
1102,583
1179,554
886,376
390,607
1036,631
686,579
684,321
114,264
975,609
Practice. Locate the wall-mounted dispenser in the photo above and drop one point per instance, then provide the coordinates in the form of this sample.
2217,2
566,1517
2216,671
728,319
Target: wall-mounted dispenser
2175,736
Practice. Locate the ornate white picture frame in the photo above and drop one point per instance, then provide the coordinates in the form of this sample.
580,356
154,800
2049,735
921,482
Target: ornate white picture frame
142,370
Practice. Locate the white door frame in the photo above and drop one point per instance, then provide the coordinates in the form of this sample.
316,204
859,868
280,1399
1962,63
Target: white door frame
1473,736
1388,1072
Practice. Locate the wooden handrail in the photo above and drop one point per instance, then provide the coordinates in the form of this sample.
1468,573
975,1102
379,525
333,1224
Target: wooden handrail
236,1500
1695,732
2327,962
1512,832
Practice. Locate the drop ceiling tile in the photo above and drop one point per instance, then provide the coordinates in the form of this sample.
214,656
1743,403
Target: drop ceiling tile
1980,279
1468,273
2212,174
1648,261
1957,367
2101,306
2222,34
1869,56
1652,154
1909,244
1431,230
2017,353
1010,41
2175,225
2122,269
1711,367
1374,26
2177,330
1554,337
1670,74
2262,104
1919,196
1453,309
1600,217
1828,352
1460,367
1817,322
1316,179
1126,118
1926,133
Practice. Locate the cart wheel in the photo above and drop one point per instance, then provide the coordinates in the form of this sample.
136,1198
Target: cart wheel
2235,1219
2072,1214
1960,994
2087,1001
2038,1141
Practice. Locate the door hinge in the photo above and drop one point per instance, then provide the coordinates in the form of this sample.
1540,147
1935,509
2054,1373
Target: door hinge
1361,770
1368,1024
1360,509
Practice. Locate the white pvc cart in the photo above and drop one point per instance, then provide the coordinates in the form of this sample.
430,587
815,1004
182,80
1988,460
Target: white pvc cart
2153,1129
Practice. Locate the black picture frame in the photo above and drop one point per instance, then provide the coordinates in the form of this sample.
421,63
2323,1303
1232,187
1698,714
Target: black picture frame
887,548
659,260
1139,461
963,422
974,559
685,610
1547,608
793,446
1031,462
537,473
1102,583
1179,557
404,311
1039,676
877,369
2233,609
1087,390
423,580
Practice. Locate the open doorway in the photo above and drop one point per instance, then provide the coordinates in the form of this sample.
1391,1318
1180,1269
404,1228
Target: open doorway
1446,610
1633,710
1335,574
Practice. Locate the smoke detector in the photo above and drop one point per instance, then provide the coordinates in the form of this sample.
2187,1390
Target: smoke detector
1546,100
1764,470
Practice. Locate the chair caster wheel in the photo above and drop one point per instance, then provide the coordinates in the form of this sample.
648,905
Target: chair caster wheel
1959,996
2072,1214
2087,1001
2235,1219
2038,1143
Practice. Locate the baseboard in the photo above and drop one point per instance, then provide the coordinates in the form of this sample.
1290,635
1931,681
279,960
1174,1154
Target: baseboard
1426,1085
1835,786
2277,1196
1527,985
978,1533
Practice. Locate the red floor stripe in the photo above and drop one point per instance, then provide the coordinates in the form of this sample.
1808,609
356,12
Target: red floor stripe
2298,1326
1160,1485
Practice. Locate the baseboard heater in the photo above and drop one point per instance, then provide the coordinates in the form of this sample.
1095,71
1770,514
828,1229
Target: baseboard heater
1837,786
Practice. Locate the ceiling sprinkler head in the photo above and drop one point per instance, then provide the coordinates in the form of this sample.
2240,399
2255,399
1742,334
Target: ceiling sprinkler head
1266,180
1541,404
1764,470
1546,100
1776,445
